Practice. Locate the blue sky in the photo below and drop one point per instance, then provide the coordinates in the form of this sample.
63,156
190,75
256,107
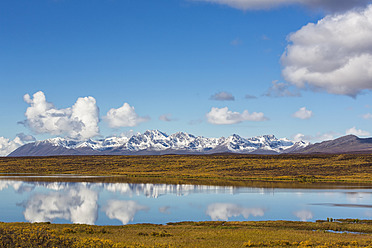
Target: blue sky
206,67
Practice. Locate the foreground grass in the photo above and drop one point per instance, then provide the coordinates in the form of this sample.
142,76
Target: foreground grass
190,234
204,169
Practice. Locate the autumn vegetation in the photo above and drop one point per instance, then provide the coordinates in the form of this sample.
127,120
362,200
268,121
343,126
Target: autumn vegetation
238,170
338,233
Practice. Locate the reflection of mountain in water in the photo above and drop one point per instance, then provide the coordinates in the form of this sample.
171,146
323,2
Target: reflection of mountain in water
130,189
77,202
101,203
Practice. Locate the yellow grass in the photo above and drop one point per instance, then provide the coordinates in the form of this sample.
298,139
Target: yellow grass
190,234
204,169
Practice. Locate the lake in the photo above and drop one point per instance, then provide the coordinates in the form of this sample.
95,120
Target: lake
129,203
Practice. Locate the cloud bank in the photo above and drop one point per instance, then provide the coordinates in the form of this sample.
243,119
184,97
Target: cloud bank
317,137
329,5
357,132
223,116
125,116
78,122
332,55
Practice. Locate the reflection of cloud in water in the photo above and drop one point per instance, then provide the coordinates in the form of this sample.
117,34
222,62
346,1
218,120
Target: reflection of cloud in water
122,210
223,211
355,197
78,205
18,186
164,210
304,215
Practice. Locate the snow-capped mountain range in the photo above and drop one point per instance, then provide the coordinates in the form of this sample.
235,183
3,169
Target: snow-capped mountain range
155,142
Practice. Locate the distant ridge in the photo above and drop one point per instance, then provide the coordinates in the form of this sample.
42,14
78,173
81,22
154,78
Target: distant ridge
345,144
155,142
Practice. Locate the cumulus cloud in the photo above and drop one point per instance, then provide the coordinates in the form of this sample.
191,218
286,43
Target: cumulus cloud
223,116
224,211
357,132
123,210
334,54
166,117
330,5
223,96
278,89
7,145
78,205
303,215
125,116
303,113
78,122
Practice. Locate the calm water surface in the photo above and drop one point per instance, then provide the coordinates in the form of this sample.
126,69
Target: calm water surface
126,203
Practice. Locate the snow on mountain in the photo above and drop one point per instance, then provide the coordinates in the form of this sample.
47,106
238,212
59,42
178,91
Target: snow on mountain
157,142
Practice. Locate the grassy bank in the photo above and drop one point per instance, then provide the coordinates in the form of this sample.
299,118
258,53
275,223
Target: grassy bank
343,233
203,169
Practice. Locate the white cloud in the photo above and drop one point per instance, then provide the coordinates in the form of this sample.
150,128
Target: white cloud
7,145
303,113
123,210
317,138
334,54
223,116
78,205
331,5
367,116
303,215
125,116
78,122
166,117
357,132
223,96
224,211
278,89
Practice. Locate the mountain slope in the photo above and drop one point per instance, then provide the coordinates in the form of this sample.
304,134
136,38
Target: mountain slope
345,144
155,142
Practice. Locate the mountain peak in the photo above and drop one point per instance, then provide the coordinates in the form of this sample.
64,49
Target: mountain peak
153,142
